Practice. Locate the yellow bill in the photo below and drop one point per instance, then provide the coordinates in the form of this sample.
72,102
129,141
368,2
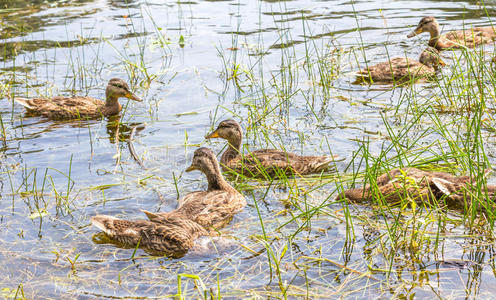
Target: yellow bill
214,134
133,97
191,168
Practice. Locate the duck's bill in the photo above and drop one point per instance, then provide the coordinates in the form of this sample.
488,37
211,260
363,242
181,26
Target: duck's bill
133,97
414,33
442,63
214,134
191,168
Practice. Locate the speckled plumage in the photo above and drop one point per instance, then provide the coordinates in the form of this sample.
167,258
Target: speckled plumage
216,206
454,39
420,186
401,69
63,108
266,161
172,237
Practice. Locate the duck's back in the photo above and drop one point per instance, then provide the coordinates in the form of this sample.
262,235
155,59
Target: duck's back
65,107
172,237
212,208
272,161
464,38
398,69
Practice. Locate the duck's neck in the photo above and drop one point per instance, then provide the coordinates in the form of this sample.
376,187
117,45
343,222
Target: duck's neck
215,179
435,35
233,150
112,105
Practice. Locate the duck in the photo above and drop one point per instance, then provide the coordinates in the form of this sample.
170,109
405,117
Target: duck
198,214
421,186
173,237
260,163
213,208
79,107
401,69
454,39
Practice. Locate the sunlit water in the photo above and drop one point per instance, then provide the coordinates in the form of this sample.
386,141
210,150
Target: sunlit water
60,47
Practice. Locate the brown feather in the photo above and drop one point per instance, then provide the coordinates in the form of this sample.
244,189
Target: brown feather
420,186
172,238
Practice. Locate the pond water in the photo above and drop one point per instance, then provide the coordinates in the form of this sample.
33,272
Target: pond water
284,70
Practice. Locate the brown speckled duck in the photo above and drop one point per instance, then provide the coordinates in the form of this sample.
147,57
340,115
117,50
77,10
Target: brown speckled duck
401,69
266,161
174,233
454,39
199,213
216,206
420,186
64,108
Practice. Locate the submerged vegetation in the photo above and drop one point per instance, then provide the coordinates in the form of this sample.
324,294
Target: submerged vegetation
286,74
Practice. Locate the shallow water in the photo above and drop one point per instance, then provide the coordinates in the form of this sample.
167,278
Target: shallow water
56,175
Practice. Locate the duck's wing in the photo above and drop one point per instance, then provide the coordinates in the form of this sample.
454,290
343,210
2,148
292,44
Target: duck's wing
398,69
272,161
63,107
212,208
469,38
173,238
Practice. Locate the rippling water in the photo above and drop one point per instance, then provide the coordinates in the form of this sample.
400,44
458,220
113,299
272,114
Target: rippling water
64,47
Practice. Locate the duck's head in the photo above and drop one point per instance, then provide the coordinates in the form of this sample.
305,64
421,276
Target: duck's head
229,130
426,24
203,160
431,58
118,88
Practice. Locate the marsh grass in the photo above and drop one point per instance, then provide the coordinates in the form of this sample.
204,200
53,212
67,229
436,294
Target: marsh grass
441,125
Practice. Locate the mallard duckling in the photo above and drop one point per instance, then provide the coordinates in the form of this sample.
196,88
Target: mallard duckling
81,107
453,39
420,186
265,161
401,69
213,208
174,236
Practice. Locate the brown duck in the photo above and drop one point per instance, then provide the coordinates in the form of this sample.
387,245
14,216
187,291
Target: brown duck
174,233
260,163
213,208
421,186
454,39
78,107
401,69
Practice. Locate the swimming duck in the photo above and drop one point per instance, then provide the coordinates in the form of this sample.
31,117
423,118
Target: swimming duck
173,237
213,208
266,161
453,39
80,107
199,213
420,186
401,69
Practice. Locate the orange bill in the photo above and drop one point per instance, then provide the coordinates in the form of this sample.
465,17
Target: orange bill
214,134
133,97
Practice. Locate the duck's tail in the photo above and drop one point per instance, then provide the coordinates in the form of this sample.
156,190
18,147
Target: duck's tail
150,215
28,103
107,224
